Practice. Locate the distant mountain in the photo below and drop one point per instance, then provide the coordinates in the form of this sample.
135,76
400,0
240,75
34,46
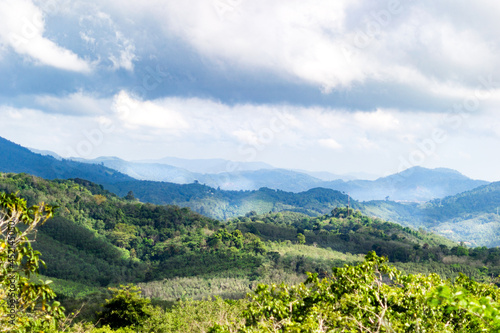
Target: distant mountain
414,184
472,217
46,153
17,159
214,165
483,199
227,204
278,179
327,176
282,179
146,171
202,198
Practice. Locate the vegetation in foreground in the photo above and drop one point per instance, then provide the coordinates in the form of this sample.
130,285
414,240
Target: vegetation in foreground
160,248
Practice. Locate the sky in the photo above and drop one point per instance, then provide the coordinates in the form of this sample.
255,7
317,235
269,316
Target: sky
341,86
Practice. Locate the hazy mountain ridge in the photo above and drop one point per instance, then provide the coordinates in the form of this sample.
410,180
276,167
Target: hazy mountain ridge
17,159
468,216
146,171
275,178
212,165
471,216
416,184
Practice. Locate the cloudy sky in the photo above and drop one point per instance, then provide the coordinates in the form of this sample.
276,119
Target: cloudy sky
341,86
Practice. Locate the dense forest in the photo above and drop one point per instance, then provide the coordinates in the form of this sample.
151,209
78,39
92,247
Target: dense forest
101,249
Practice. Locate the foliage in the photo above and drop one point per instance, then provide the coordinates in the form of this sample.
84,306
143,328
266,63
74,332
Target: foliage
125,308
98,239
373,297
186,316
24,305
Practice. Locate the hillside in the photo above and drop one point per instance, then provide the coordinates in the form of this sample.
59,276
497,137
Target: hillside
201,198
414,184
128,225
481,200
98,239
226,204
469,216
285,180
15,158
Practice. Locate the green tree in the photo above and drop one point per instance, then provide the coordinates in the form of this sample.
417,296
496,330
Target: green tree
130,196
25,306
373,297
125,308
301,238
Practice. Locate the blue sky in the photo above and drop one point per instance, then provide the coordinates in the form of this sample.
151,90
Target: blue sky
340,86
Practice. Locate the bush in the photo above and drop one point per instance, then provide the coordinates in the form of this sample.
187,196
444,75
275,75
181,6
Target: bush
125,308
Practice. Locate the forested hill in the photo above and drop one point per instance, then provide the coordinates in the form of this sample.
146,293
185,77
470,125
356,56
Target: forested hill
110,239
203,199
98,239
15,158
129,224
413,184
471,217
481,200
226,204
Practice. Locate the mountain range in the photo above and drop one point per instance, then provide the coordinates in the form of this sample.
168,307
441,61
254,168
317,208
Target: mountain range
465,210
17,159
415,184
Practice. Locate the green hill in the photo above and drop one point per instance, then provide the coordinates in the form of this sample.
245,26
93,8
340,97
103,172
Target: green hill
227,204
98,239
470,217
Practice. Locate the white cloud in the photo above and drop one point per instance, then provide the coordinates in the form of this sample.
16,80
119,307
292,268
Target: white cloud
135,113
366,144
22,27
106,40
340,44
126,56
330,144
379,120
283,135
246,137
78,103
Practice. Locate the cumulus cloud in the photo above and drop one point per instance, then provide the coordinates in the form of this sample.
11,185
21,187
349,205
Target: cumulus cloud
330,143
106,40
380,120
283,135
382,66
135,113
125,58
22,27
339,44
79,103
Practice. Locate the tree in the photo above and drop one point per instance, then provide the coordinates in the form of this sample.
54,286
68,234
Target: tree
373,297
130,196
125,308
25,306
301,238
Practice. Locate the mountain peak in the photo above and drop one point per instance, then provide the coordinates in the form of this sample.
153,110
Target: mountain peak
423,170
